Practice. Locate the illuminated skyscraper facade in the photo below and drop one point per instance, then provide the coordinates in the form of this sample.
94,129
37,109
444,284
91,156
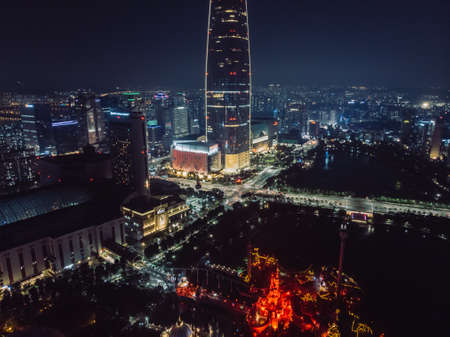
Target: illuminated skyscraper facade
435,151
91,119
228,82
180,116
128,137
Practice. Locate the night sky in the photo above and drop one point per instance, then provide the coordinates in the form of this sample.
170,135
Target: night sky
103,44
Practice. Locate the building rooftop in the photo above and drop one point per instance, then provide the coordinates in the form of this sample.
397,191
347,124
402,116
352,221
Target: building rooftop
77,159
58,223
37,202
103,205
144,204
259,130
209,147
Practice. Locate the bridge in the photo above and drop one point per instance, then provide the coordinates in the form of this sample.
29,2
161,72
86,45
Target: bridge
211,278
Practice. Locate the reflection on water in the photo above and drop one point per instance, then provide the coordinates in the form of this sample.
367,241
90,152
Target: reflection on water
329,159
350,172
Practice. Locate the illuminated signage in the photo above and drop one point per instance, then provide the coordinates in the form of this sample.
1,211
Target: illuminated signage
125,114
64,123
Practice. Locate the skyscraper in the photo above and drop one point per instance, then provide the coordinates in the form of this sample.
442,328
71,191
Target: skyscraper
37,128
128,137
180,116
91,119
228,82
17,162
295,117
435,151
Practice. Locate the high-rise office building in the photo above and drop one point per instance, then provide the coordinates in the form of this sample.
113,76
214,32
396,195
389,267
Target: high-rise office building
196,104
17,161
91,119
51,128
37,128
18,171
30,128
408,135
295,118
128,137
66,135
180,116
435,151
228,82
11,135
120,143
160,111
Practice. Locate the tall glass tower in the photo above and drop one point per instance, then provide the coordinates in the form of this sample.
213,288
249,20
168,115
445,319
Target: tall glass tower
228,82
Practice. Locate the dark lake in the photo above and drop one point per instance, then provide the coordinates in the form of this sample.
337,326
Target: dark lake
404,275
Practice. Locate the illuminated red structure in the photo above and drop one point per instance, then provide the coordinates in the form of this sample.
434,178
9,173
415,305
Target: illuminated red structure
272,310
185,289
197,157
304,301
190,161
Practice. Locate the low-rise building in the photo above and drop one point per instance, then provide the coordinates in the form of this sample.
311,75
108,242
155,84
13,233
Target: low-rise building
49,243
146,215
195,156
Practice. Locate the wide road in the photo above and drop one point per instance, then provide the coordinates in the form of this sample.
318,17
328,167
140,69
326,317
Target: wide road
260,179
346,203
364,205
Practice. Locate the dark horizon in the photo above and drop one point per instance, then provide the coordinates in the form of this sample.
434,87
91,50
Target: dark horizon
101,44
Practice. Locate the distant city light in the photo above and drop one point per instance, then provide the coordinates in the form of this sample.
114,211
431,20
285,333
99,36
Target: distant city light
160,96
425,105
29,105
131,93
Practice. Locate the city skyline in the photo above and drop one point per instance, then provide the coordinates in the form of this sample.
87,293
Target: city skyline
218,168
396,45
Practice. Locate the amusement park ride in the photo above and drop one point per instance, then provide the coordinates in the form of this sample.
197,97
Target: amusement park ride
313,302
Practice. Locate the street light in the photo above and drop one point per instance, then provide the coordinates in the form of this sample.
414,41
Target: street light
343,236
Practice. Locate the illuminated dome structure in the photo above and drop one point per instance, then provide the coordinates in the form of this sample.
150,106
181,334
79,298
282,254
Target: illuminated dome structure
179,329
